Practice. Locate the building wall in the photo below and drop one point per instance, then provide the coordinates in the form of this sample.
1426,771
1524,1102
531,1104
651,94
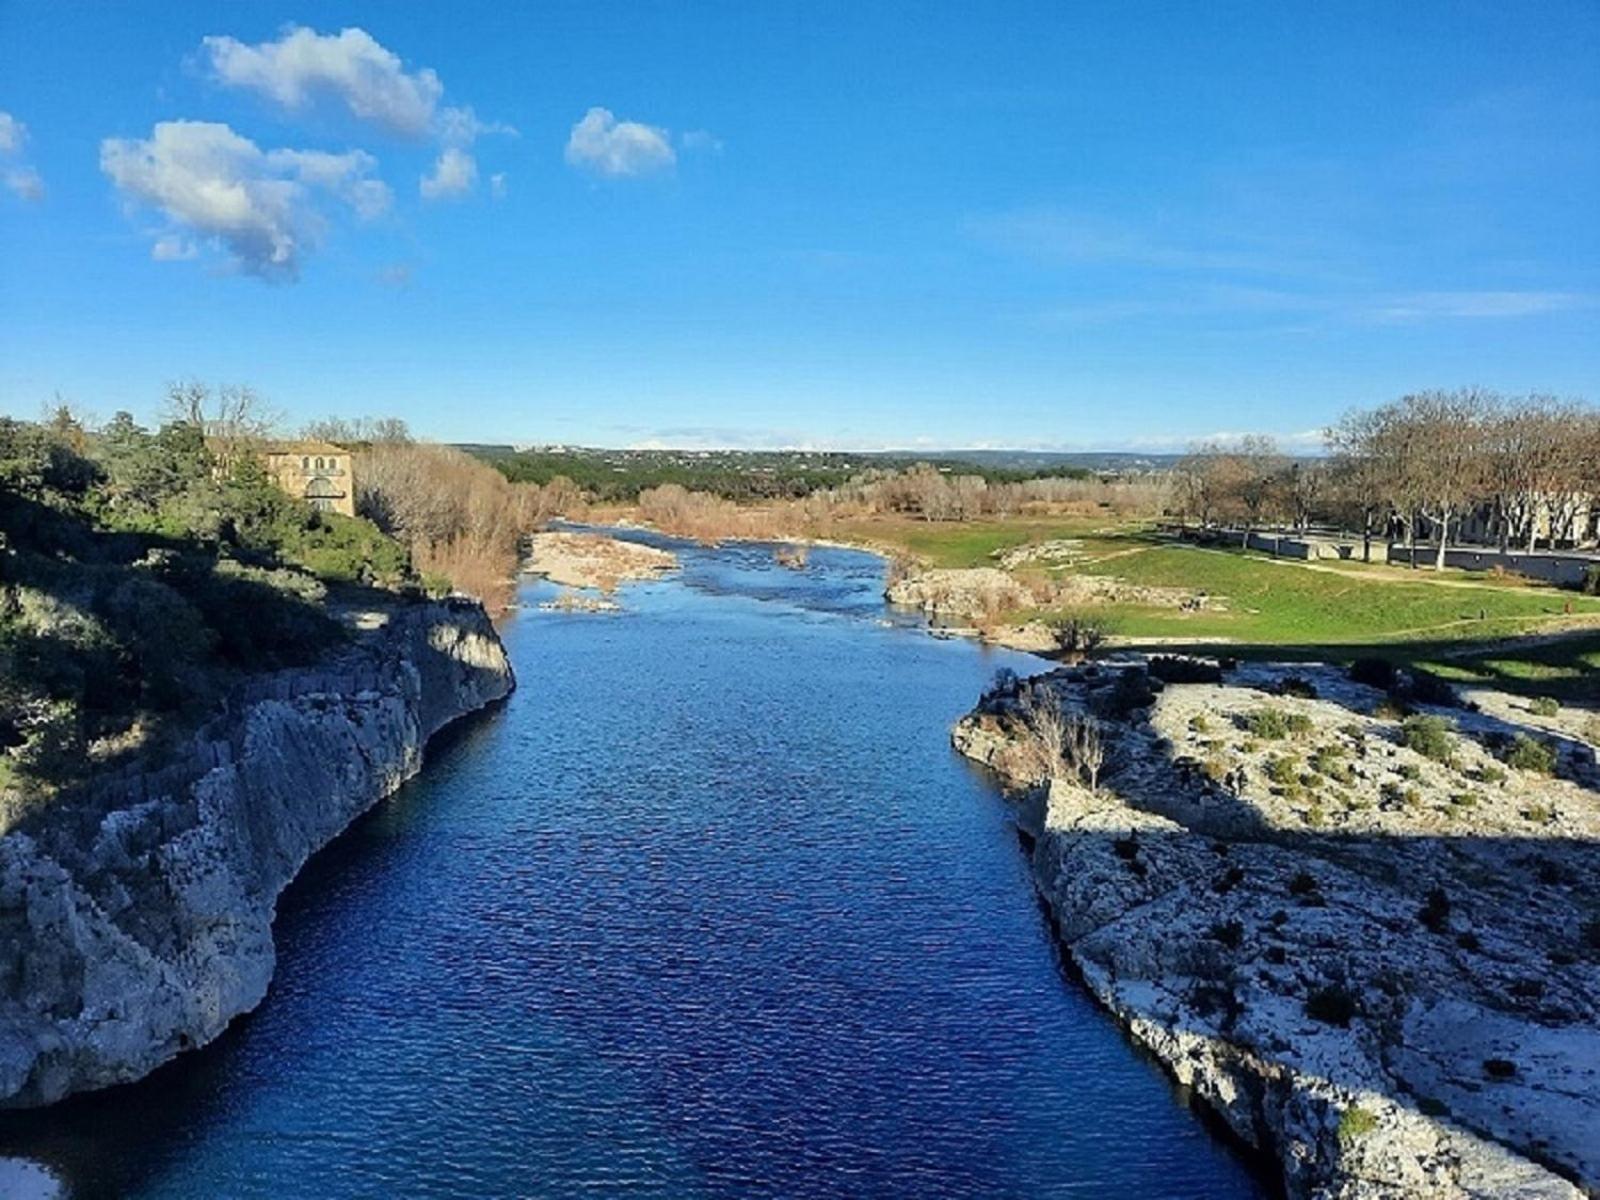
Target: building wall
322,476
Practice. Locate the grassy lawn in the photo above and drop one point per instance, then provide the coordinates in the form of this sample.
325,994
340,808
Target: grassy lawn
1569,669
1282,603
1283,608
976,543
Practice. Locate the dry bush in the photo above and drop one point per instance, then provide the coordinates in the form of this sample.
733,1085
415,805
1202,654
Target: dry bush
460,517
1063,746
674,509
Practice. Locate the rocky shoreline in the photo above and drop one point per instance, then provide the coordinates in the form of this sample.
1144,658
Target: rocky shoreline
136,914
1368,942
594,560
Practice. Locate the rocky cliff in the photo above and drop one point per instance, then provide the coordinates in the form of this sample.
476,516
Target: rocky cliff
136,915
1369,944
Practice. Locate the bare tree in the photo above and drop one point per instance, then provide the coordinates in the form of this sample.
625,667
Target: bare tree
1086,749
1064,746
1198,483
359,431
1449,469
1359,475
235,420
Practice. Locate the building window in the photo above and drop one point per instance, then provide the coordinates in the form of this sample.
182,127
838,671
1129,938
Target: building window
305,464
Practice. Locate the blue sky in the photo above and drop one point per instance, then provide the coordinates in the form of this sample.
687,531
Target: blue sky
853,224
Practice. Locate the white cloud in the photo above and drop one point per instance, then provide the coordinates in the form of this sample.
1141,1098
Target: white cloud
13,133
453,175
700,141
22,180
171,248
350,67
461,126
395,275
497,185
606,146
259,205
25,183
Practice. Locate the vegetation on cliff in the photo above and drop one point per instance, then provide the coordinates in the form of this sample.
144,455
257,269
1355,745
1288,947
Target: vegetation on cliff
140,571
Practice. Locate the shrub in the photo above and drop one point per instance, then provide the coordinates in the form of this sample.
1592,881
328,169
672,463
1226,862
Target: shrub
1532,755
1285,772
1390,710
1435,913
1077,634
1355,1122
1544,706
1270,724
1332,1006
1130,692
1171,668
1491,774
1430,736
1298,686
1374,672
1329,761
1430,689
1591,581
1004,683
1198,723
1229,933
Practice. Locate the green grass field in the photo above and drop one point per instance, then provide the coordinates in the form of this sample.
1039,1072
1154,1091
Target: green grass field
977,543
1281,607
1569,670
1279,602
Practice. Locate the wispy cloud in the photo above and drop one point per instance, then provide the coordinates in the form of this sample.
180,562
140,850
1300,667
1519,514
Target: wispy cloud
701,141
1384,308
1064,236
20,178
13,134
1426,306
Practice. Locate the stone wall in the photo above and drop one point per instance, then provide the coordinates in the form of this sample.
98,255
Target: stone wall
1552,567
136,914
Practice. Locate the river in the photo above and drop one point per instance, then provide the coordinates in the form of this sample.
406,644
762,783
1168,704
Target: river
708,908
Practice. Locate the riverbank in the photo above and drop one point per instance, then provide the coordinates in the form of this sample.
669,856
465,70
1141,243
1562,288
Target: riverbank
138,908
1367,945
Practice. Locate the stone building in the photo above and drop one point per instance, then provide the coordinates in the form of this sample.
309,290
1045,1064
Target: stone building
317,472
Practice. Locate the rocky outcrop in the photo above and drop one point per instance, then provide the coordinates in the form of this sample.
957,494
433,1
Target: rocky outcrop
1374,954
955,594
594,560
136,915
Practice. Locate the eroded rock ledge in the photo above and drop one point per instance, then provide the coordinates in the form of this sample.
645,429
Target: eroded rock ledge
1381,967
136,916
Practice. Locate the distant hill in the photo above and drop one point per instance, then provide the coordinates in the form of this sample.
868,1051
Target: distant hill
1045,460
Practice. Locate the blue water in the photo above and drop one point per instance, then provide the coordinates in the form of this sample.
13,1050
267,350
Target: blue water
708,908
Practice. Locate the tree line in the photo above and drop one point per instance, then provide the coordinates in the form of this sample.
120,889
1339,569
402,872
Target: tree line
1464,465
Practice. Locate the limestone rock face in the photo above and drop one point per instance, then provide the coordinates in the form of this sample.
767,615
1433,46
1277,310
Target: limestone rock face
1376,965
136,917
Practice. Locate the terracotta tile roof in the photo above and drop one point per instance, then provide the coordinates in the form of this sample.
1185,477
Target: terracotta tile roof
305,446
